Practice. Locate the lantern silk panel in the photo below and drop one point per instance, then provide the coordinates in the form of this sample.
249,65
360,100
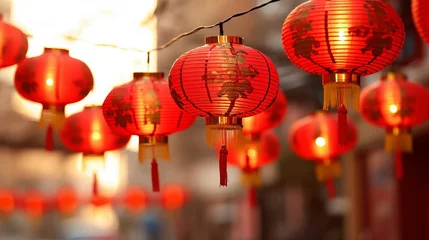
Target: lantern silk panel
13,44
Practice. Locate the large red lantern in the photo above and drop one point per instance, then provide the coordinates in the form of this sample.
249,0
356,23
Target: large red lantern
13,44
268,119
315,138
88,132
144,107
223,81
53,79
396,105
342,40
419,10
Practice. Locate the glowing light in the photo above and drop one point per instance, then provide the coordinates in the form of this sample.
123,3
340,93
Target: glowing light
342,35
320,142
96,136
251,153
393,108
49,82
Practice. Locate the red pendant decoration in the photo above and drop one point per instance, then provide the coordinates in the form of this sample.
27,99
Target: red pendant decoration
13,44
135,200
144,107
342,40
419,10
396,105
53,79
223,81
66,201
88,132
315,138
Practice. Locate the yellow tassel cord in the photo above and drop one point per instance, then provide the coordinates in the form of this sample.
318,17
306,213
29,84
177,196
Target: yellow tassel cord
398,140
157,151
327,170
251,178
53,117
336,93
223,134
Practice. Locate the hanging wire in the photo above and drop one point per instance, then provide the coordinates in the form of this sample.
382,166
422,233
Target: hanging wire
178,37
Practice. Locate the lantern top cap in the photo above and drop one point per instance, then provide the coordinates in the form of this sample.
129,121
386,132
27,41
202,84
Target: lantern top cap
57,50
394,76
224,39
158,75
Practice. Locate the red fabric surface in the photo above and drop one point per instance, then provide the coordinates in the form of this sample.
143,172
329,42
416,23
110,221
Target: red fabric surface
304,132
53,78
419,10
88,132
223,79
144,107
358,37
13,44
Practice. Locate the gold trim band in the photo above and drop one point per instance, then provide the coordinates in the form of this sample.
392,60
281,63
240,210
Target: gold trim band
152,140
57,50
159,75
340,78
224,39
394,76
222,120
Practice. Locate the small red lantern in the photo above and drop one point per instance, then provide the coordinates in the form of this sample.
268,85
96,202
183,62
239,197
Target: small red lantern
35,205
223,81
7,202
268,119
144,107
419,10
397,105
315,138
13,44
173,197
88,132
66,200
53,79
343,40
135,199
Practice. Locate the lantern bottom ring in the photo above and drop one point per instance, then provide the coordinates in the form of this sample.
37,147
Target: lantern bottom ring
92,162
153,140
223,121
340,78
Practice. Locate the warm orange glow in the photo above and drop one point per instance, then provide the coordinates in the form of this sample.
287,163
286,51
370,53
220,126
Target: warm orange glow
393,108
67,201
342,35
135,200
96,136
49,82
34,205
320,142
173,197
7,203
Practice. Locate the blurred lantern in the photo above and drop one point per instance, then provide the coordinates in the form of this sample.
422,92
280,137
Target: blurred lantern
268,119
145,108
7,202
343,40
34,203
13,44
135,199
397,105
66,201
223,81
100,201
88,132
53,79
419,11
173,197
315,138
251,155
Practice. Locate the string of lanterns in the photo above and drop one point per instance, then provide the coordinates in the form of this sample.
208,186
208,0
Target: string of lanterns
227,83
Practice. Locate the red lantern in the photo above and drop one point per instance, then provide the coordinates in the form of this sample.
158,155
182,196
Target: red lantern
268,119
7,202
144,107
223,81
135,199
35,205
88,132
315,138
397,105
66,200
173,197
419,11
13,44
53,79
343,40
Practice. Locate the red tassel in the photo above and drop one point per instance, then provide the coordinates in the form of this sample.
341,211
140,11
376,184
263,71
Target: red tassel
330,186
49,139
223,157
95,185
253,200
399,168
342,125
155,176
